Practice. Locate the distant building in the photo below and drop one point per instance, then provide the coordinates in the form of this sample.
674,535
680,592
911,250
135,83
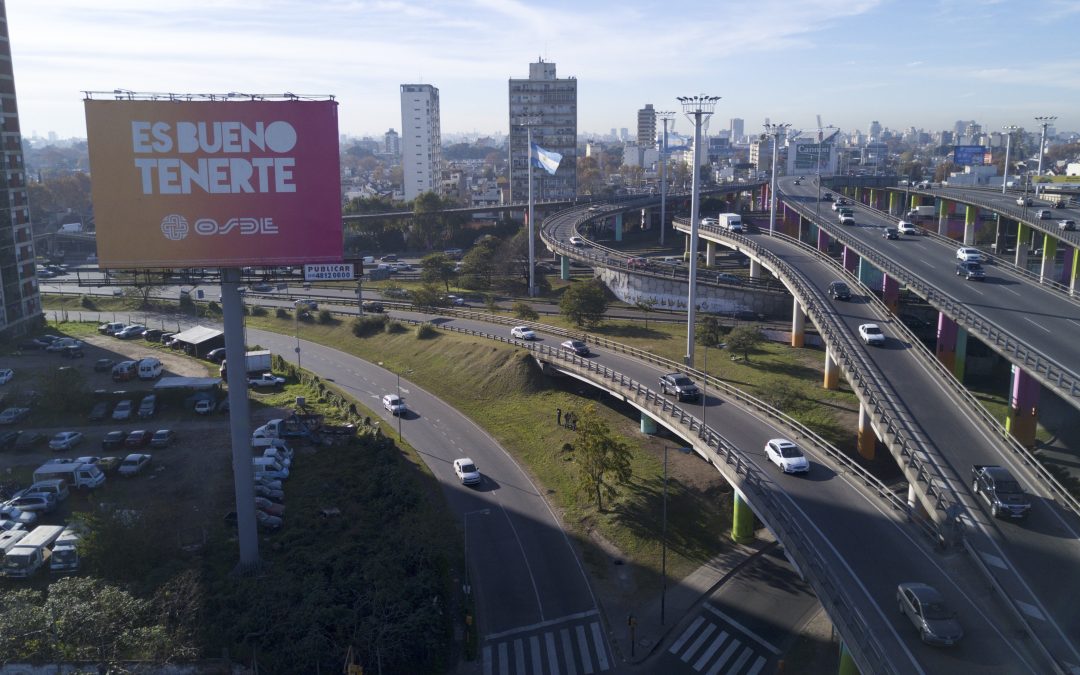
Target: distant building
20,308
421,139
392,143
874,132
646,127
737,129
548,105
761,153
631,155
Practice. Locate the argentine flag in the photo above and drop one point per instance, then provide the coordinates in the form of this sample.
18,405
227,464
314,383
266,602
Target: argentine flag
545,159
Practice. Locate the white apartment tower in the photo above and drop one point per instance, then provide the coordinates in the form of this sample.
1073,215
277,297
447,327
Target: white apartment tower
549,106
421,139
737,127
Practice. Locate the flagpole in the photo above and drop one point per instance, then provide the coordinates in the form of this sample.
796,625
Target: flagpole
532,252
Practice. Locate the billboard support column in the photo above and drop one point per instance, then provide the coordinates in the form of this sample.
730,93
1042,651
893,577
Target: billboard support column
243,477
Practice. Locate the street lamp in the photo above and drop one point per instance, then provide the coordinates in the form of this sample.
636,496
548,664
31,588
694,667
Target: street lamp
530,121
698,108
775,130
296,329
1009,129
1044,121
665,117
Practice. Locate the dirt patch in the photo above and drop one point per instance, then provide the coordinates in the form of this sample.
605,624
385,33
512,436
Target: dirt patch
173,363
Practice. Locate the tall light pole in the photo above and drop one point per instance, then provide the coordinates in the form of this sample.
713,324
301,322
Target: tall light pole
297,304
775,130
665,117
1008,129
699,109
1044,121
529,121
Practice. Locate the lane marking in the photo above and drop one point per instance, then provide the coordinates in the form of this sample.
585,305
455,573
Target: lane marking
994,560
1031,610
541,624
1037,325
724,657
749,633
568,649
698,642
598,640
583,646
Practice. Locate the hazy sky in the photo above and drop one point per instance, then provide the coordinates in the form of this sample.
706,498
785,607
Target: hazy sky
922,63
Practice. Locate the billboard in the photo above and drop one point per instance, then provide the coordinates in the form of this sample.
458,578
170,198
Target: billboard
330,272
811,156
214,183
971,155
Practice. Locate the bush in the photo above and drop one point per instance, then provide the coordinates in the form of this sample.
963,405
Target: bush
426,331
369,325
258,310
524,310
282,313
86,302
213,308
395,327
325,317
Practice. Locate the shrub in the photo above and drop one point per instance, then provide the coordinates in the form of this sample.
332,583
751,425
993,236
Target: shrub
258,310
395,327
87,302
426,331
369,325
282,313
213,308
325,317
524,310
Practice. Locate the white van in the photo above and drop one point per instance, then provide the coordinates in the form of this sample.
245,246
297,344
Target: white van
268,467
368,260
149,368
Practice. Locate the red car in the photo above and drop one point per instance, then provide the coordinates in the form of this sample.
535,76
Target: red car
138,439
273,508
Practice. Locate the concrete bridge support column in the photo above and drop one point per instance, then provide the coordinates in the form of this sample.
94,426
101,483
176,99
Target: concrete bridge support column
832,371
646,219
1023,235
764,197
1046,269
915,505
971,214
798,324
755,269
914,201
822,240
1067,253
847,663
1075,270
710,253
869,275
618,226
564,268
858,194
742,521
866,441
1023,414
894,199
802,225
648,424
850,259
890,291
686,251
944,210
951,346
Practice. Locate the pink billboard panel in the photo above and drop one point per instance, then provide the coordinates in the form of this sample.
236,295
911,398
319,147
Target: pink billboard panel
215,183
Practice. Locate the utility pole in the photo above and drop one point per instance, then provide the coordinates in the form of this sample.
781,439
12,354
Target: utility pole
1044,121
775,129
665,117
1009,129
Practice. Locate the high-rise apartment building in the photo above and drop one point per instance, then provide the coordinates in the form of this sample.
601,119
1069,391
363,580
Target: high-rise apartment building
874,132
547,105
646,127
20,302
737,129
421,139
392,143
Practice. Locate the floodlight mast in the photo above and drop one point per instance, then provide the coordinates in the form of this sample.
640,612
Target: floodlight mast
1044,121
698,109
775,129
1008,129
665,117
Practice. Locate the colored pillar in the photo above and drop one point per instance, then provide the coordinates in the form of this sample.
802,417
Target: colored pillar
648,424
914,201
944,210
890,290
1023,233
970,214
764,197
945,350
710,253
755,269
564,268
865,440
961,354
850,259
832,371
822,240
1067,253
894,199
1046,269
798,324
1023,414
858,194
618,226
847,663
1075,270
686,251
869,275
915,505
742,521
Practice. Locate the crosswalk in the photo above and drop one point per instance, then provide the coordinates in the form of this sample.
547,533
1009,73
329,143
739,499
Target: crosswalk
716,644
573,645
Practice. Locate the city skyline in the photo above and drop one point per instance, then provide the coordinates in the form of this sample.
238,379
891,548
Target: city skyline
935,61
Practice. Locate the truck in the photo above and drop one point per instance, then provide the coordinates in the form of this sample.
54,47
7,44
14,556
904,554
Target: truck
32,552
256,362
77,474
922,211
266,380
732,222
295,426
1000,490
65,552
8,540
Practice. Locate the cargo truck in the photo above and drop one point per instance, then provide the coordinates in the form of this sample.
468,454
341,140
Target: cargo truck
922,211
77,474
732,222
256,362
32,552
65,552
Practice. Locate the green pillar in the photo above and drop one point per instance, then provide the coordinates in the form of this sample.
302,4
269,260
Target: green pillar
742,521
893,198
1075,269
1046,268
618,227
970,214
648,424
961,354
915,201
847,663
564,268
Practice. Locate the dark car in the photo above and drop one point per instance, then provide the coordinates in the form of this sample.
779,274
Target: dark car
72,352
152,334
7,439
113,440
971,271
35,344
372,306
99,411
827,197
576,346
216,355
680,385
28,440
838,290
927,611
103,365
163,438
891,233
138,439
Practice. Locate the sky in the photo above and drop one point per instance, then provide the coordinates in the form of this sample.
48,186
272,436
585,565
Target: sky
921,63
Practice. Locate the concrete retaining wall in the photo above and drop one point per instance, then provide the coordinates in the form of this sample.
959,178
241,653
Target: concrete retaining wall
670,294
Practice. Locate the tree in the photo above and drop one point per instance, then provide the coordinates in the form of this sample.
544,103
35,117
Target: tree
524,310
743,338
478,265
62,387
427,295
710,331
585,303
437,267
646,306
603,460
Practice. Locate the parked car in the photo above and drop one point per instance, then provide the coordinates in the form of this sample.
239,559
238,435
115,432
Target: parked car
28,440
786,456
871,334
680,385
267,506
37,502
110,328
139,438
576,346
839,290
216,355
65,440
13,415
103,365
98,412
113,440
394,404
16,515
109,464
924,606
265,520
204,406
129,332
522,333
133,464
148,406
61,344
273,494
467,471
152,334
33,344
8,438
163,438
122,411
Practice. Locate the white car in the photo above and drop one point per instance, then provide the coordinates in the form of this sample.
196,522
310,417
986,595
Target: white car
6,374
847,220
394,404
133,464
871,334
907,228
577,241
786,456
969,254
522,333
467,471
65,440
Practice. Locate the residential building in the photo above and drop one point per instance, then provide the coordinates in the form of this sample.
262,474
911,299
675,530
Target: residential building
421,139
20,308
737,129
874,132
646,127
392,143
761,153
547,105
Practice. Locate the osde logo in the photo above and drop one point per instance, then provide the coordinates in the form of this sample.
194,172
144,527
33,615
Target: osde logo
175,227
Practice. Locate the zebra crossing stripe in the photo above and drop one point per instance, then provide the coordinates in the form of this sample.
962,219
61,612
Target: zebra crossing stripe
710,651
568,649
583,645
686,635
758,665
504,664
699,641
743,658
598,640
519,657
724,657
553,659
487,660
534,648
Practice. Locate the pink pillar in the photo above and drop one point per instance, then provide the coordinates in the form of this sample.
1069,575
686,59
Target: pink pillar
764,196
1023,415
946,341
890,289
851,260
822,240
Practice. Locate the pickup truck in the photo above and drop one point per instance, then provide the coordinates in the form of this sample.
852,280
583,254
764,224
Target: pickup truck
266,380
1000,490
